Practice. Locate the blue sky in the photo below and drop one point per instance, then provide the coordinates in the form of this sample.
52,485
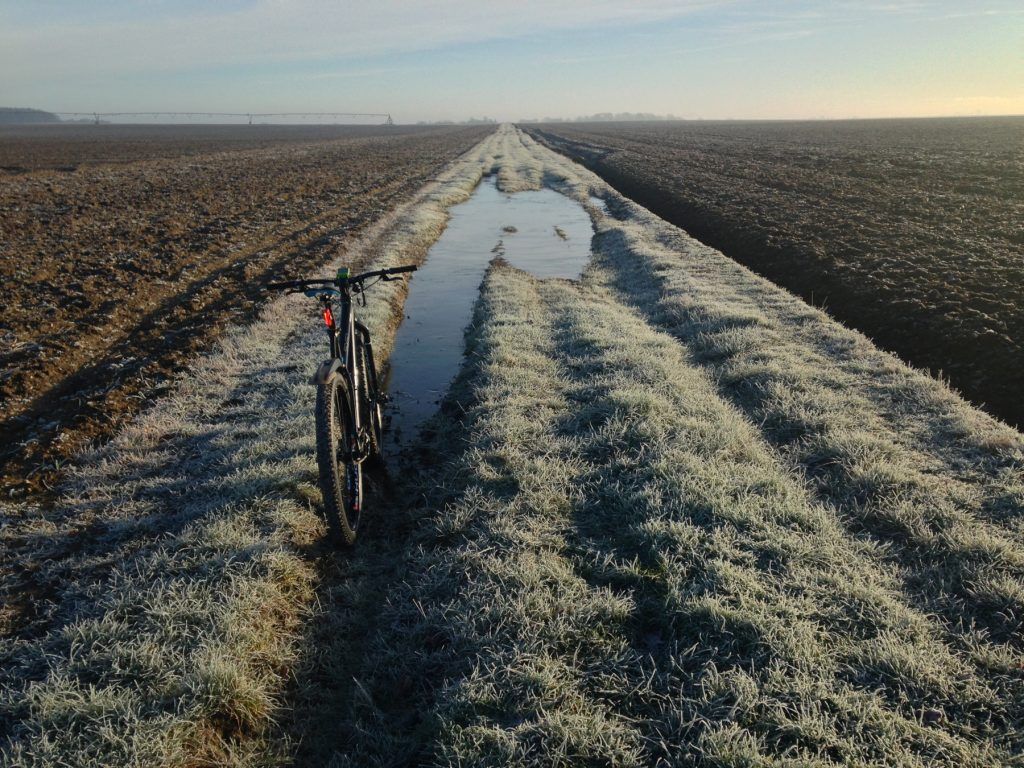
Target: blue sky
512,60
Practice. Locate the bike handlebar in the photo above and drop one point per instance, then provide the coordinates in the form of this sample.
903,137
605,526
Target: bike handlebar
301,284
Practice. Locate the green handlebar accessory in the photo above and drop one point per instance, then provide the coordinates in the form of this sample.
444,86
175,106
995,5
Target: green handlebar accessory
343,273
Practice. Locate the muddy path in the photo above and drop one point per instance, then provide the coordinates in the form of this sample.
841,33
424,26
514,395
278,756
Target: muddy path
117,274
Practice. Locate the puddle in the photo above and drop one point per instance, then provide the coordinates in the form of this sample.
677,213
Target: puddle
542,232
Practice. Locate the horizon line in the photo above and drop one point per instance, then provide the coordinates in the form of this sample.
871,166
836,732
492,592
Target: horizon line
486,119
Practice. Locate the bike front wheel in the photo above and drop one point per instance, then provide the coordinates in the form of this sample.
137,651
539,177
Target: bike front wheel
341,476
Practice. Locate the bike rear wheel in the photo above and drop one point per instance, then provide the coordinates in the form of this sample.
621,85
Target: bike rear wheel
341,478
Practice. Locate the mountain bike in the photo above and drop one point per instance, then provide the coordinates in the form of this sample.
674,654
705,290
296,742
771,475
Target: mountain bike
348,395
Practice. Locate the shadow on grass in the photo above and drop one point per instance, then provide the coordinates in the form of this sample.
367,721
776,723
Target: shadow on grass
138,501
908,513
345,696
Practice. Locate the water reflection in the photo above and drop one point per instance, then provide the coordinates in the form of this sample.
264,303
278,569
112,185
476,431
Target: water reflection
542,232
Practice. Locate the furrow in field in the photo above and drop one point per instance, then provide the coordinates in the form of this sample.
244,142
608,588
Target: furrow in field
691,506
927,420
954,530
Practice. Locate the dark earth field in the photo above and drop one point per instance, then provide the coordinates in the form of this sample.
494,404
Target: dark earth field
125,249
911,231
64,147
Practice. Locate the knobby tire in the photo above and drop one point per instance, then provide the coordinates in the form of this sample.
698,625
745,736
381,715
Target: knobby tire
340,479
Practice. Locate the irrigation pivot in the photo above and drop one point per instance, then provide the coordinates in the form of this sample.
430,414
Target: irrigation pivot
97,117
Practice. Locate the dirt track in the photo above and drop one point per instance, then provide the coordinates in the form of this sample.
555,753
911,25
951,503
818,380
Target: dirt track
116,272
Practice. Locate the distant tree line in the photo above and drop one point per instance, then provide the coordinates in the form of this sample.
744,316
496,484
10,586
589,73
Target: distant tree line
25,116
471,121
606,117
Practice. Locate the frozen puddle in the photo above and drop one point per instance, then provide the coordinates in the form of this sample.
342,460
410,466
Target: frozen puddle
542,232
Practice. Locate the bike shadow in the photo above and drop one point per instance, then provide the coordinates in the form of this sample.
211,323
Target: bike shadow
336,688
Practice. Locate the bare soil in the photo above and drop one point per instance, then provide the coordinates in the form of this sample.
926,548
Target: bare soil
908,230
125,251
25,148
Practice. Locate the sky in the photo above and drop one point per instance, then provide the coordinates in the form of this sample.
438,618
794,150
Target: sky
517,59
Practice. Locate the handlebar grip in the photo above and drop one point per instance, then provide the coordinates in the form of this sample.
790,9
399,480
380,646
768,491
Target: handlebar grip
396,270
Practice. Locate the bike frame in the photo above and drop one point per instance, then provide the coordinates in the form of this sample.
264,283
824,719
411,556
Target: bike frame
342,336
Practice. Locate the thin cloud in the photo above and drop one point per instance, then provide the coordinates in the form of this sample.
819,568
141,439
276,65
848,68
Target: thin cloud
348,74
980,13
296,31
725,43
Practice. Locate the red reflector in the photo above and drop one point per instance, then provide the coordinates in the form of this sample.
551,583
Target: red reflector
328,317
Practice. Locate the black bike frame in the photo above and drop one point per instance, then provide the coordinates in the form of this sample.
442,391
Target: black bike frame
369,369
342,338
